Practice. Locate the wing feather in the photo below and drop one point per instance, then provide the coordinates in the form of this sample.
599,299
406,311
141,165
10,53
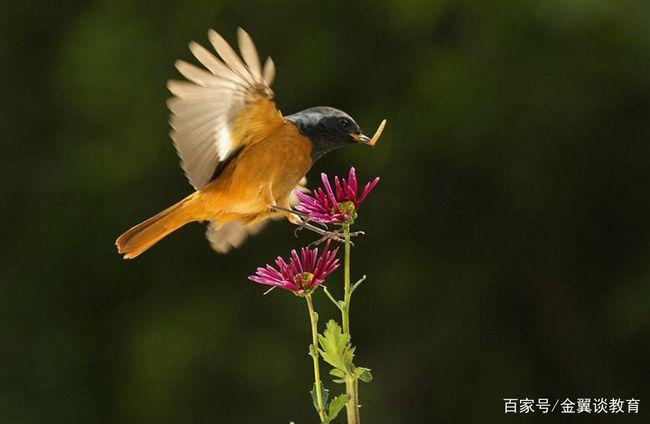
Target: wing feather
228,55
213,64
199,76
210,109
249,54
223,238
269,71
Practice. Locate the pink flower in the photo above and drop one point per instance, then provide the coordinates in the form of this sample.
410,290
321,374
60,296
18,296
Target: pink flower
302,273
327,206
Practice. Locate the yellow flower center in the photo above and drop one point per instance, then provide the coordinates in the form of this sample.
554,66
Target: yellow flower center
348,209
303,280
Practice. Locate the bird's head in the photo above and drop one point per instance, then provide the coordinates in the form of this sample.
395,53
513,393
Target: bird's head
328,129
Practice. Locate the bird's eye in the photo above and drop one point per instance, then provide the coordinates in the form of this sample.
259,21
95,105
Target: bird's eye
344,123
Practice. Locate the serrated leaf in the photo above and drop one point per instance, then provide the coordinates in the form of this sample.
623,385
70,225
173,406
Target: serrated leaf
337,373
336,406
324,393
335,347
363,374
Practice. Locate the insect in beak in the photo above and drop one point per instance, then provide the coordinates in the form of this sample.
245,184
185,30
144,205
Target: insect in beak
362,138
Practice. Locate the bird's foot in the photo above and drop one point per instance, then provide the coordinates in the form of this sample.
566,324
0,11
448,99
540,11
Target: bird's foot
302,221
297,218
336,235
288,211
325,233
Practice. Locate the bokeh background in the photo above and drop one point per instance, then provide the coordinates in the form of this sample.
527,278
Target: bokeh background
507,251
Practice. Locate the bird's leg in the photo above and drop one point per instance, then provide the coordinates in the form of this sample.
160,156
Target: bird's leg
325,233
337,234
301,219
295,217
334,235
288,211
303,222
330,235
304,218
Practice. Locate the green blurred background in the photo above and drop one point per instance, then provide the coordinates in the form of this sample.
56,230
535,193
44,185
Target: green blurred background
507,251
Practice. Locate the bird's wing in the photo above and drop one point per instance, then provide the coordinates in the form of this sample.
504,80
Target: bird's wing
223,106
222,238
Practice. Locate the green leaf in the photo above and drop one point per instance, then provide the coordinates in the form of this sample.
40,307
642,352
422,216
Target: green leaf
336,405
363,374
324,393
338,373
335,348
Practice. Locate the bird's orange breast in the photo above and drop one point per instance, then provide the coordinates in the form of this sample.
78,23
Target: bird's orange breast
263,172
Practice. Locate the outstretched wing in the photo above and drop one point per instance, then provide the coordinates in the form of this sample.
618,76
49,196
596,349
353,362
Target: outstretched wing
222,106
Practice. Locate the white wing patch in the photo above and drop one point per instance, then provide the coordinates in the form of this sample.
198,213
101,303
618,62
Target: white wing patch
224,143
203,107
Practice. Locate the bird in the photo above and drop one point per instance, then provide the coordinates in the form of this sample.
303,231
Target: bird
243,158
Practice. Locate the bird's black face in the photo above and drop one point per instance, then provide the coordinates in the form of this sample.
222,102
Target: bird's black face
328,129
340,128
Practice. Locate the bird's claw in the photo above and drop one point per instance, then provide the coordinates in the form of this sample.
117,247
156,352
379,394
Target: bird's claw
336,235
303,222
329,235
276,208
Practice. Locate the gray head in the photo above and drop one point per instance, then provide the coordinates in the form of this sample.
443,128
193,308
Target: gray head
327,129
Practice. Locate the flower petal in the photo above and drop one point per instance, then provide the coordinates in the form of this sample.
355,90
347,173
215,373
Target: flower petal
352,180
367,189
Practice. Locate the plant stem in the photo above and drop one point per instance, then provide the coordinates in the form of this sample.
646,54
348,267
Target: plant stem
313,351
351,387
331,298
352,407
347,293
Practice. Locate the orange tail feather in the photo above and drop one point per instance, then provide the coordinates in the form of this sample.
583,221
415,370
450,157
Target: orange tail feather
144,235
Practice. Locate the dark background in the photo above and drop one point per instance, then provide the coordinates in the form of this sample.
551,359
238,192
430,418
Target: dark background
507,251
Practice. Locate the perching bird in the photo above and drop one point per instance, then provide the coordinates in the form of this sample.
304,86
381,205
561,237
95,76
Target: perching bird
237,150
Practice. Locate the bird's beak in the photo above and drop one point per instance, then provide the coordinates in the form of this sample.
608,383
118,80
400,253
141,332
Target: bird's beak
362,138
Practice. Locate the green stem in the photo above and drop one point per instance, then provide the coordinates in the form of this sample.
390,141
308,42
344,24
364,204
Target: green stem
347,293
329,295
351,387
313,351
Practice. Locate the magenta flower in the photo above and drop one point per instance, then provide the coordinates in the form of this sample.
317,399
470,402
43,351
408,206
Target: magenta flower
327,206
302,273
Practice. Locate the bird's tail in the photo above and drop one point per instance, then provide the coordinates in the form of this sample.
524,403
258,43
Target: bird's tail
144,235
